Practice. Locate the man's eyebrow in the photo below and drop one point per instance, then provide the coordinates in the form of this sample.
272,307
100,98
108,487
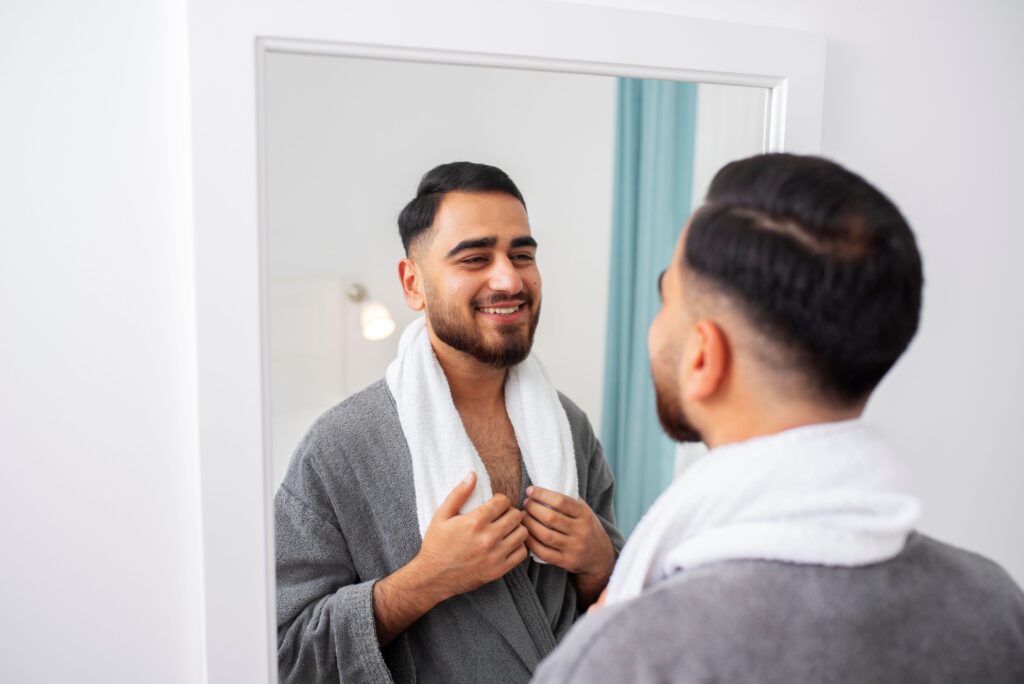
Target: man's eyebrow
661,278
474,243
524,242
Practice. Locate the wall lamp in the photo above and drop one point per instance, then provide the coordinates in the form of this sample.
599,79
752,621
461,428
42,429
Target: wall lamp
375,320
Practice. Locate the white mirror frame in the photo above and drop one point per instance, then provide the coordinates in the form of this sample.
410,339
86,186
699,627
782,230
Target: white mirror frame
228,43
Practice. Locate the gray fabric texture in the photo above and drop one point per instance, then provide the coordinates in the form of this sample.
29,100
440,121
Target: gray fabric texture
934,613
345,517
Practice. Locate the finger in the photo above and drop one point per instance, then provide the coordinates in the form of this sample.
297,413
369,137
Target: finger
507,522
545,553
515,538
453,503
560,502
517,556
493,508
544,534
556,520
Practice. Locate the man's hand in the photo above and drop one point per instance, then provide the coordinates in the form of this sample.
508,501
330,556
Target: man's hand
566,532
459,553
463,552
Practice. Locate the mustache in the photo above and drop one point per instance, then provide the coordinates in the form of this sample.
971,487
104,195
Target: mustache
521,298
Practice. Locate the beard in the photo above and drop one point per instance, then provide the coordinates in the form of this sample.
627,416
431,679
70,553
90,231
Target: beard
453,329
670,407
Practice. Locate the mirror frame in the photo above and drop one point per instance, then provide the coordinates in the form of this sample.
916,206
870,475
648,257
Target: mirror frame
229,42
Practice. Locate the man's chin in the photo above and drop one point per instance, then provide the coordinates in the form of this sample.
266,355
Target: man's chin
676,426
684,434
503,355
496,336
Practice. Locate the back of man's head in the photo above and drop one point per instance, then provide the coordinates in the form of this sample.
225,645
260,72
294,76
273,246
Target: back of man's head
822,266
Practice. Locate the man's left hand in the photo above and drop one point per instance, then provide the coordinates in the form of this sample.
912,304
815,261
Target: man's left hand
566,532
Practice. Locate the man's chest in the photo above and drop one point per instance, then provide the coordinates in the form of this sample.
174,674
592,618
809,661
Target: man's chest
495,441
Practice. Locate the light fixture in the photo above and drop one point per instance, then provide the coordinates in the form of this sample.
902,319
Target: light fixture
375,320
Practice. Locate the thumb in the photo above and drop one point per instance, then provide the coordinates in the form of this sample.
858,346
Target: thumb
458,496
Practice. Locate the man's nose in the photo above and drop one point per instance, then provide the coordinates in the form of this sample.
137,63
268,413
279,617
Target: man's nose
504,277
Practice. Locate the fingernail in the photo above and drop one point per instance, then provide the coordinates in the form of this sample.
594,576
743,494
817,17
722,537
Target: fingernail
529,490
469,477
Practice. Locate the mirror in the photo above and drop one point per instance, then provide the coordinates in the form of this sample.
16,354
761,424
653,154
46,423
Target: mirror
598,159
347,142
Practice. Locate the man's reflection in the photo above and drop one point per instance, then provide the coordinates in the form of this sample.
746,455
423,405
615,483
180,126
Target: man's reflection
449,522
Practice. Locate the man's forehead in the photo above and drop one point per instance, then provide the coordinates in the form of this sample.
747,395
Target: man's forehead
478,216
459,206
496,235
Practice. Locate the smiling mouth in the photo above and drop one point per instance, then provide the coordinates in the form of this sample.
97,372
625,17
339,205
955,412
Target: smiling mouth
500,310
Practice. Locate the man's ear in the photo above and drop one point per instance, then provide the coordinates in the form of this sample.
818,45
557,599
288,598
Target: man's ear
705,361
412,284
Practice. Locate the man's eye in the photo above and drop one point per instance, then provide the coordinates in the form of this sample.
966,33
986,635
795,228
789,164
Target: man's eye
475,260
523,257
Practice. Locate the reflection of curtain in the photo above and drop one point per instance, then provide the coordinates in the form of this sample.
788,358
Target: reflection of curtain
653,180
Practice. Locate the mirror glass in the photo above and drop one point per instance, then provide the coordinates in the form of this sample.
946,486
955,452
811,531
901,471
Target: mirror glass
347,140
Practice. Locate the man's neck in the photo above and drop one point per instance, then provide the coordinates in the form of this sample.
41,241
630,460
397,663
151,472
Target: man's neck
741,425
473,384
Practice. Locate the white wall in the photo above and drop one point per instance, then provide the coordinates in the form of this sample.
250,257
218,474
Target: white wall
100,539
926,99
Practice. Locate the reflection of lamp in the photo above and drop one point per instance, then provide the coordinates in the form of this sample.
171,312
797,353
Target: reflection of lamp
375,320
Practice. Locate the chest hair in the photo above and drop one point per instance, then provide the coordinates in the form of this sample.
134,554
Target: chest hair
495,440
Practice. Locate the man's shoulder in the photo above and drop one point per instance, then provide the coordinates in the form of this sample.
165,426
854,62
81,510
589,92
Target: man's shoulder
367,414
975,576
579,423
706,619
364,421
572,409
353,412
924,548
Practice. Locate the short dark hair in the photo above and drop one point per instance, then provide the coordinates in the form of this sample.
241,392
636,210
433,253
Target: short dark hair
418,214
817,258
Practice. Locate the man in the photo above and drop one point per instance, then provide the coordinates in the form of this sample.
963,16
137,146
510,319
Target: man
788,554
390,565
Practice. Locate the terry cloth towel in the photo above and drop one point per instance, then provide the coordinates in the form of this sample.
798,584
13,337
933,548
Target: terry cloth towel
442,452
828,494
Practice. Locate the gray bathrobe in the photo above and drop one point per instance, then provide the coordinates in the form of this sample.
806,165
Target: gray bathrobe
345,517
934,613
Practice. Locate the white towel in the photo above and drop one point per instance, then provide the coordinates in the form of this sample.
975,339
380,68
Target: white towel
442,452
828,494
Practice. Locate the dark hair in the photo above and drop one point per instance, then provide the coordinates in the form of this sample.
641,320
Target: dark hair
418,214
819,259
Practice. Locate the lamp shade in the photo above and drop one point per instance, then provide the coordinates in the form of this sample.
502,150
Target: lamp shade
375,321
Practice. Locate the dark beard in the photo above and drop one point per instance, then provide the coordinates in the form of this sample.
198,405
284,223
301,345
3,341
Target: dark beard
513,348
673,420
670,409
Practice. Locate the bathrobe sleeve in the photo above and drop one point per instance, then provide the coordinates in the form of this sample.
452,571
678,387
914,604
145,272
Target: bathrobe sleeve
326,630
601,491
597,485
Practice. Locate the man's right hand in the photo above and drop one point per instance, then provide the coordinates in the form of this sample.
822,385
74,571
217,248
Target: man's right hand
459,553
463,552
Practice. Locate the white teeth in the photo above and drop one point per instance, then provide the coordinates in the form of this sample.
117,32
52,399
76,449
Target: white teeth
503,312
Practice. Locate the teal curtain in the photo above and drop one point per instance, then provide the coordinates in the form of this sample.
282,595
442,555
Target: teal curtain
653,180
